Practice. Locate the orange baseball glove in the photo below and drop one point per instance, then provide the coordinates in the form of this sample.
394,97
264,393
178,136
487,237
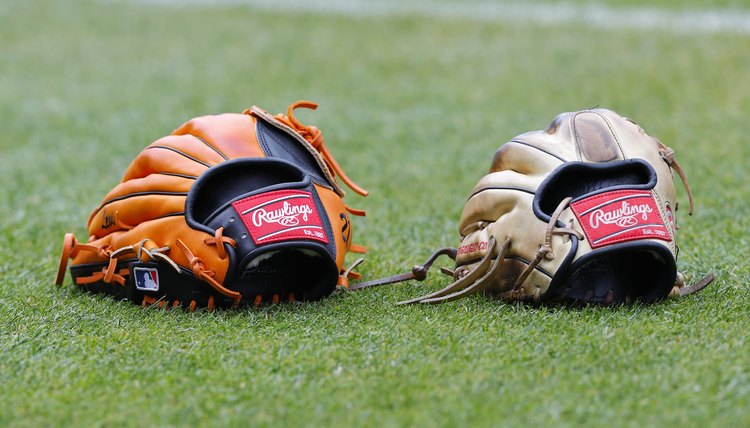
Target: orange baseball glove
227,210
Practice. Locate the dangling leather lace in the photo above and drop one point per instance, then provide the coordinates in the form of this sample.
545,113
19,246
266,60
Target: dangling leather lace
680,289
474,282
200,272
108,274
418,272
313,136
485,273
144,250
667,153
545,250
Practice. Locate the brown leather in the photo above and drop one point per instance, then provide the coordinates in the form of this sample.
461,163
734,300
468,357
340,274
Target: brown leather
418,272
500,206
684,290
143,215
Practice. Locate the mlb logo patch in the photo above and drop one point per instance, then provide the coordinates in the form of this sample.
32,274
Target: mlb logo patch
146,279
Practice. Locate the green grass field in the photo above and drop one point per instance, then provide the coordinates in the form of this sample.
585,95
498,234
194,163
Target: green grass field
413,105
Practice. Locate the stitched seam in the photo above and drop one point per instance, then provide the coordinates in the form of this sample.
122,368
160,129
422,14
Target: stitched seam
537,148
518,189
175,174
207,165
137,194
211,147
614,134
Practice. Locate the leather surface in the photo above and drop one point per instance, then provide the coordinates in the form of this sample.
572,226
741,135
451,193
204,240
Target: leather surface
501,204
148,206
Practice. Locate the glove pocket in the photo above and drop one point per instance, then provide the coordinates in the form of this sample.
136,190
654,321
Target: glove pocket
280,238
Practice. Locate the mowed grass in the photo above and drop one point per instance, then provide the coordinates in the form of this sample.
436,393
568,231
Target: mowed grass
413,108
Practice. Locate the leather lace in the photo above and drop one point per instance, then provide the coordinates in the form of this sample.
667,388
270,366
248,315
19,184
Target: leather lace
219,240
313,136
145,250
545,250
200,271
418,272
667,153
474,281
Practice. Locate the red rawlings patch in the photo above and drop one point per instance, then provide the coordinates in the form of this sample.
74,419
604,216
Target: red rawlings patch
281,215
620,216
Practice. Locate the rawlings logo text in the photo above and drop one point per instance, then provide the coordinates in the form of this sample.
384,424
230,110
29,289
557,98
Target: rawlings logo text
287,215
620,216
473,247
624,216
281,215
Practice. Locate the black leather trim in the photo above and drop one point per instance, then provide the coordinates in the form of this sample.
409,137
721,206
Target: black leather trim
236,179
518,189
276,144
208,206
583,179
635,271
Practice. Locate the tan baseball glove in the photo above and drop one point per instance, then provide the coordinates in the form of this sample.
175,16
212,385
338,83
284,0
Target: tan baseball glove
227,210
580,212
